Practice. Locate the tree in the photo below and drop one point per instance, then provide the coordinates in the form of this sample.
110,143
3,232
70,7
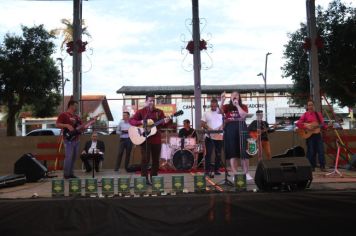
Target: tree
336,51
28,74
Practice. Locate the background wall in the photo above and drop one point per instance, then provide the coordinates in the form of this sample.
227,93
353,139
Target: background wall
12,148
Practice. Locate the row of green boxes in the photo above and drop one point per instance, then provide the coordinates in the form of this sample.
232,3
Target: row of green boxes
140,186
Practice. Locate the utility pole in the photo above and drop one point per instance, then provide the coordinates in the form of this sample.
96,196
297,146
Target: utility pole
313,56
77,56
196,62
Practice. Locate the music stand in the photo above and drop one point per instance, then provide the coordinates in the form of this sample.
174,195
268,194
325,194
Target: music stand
93,157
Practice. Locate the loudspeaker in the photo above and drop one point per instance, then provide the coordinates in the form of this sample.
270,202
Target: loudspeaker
30,167
294,173
296,151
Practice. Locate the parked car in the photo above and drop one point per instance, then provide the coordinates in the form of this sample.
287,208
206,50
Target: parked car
45,132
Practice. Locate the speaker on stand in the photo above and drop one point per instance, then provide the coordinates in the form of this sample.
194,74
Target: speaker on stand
283,174
30,167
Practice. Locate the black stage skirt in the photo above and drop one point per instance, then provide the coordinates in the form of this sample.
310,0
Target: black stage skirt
235,136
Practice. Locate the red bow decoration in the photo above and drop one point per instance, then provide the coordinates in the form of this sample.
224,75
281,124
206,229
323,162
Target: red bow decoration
190,46
81,46
319,43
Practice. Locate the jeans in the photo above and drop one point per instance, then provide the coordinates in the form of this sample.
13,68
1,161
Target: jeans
154,151
315,147
125,144
71,151
210,144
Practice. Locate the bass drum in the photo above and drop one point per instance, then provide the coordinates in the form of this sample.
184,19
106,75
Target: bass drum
183,160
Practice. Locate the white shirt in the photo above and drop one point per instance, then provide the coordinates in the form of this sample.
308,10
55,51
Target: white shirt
213,119
92,147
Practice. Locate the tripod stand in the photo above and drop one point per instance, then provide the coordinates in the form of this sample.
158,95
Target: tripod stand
225,181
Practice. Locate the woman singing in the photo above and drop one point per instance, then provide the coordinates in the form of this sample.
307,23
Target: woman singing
235,132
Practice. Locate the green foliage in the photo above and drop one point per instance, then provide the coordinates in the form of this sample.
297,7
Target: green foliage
337,59
28,74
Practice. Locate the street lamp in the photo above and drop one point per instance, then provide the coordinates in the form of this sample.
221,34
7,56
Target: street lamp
63,82
264,79
264,76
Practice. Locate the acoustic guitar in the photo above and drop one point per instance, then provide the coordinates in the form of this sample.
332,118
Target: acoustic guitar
138,135
311,128
71,135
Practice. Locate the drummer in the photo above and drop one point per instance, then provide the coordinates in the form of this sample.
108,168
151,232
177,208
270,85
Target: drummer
187,131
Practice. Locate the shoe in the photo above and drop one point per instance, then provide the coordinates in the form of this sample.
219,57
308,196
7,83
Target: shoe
148,182
217,173
87,171
73,177
322,169
248,177
313,169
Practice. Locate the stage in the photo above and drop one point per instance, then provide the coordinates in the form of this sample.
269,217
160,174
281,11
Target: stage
327,207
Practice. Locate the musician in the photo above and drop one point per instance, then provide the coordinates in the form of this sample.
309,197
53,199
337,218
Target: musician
212,121
235,132
69,121
187,131
94,146
312,121
259,125
146,117
125,142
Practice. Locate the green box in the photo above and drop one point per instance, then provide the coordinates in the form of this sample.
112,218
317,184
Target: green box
199,183
178,183
107,186
91,186
57,188
75,187
240,182
157,184
123,184
140,186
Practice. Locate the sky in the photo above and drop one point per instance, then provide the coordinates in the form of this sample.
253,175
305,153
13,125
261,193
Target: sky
139,42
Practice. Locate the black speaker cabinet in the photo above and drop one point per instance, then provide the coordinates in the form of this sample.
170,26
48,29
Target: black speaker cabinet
294,173
30,167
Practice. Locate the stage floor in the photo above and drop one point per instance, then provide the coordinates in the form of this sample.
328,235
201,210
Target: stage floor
42,188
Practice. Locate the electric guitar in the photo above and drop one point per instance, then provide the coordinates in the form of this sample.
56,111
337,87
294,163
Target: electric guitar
138,135
71,135
311,128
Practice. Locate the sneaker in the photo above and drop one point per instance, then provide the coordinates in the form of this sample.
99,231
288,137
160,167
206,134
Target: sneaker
217,173
248,177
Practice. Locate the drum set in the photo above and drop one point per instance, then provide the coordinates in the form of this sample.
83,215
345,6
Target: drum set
180,153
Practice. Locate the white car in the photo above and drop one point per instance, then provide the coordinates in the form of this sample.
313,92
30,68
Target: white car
45,132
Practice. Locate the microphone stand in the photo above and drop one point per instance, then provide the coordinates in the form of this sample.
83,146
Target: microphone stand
225,181
146,132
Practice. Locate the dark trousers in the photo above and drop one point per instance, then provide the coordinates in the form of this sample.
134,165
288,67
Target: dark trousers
87,159
154,151
315,147
211,144
124,146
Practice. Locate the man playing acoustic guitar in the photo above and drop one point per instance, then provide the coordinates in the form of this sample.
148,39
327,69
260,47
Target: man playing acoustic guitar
309,125
152,146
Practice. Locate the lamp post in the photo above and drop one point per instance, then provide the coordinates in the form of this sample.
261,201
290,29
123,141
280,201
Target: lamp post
264,76
264,79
